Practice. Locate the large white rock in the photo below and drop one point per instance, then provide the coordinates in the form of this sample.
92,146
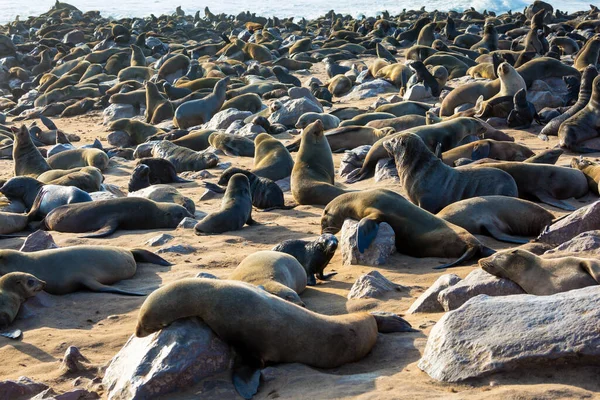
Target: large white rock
174,358
378,252
492,334
585,219
223,119
586,244
289,111
369,89
117,111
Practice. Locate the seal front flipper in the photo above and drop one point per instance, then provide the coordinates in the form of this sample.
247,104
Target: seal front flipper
366,233
251,221
213,187
505,237
48,123
592,269
96,286
389,323
145,256
108,229
246,372
546,198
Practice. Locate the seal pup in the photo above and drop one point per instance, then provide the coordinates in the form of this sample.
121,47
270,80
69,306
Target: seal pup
15,288
418,232
104,217
28,159
433,185
161,171
508,219
229,308
266,194
196,112
523,113
313,176
271,159
277,273
314,255
69,269
584,125
235,212
541,276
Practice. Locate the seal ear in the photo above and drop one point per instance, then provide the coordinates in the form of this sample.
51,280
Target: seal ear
591,268
366,233
480,150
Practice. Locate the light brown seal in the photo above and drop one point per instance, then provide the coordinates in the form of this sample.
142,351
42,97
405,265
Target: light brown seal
28,159
278,273
196,112
15,288
507,219
271,159
183,158
70,159
584,125
542,276
69,269
591,170
11,222
487,148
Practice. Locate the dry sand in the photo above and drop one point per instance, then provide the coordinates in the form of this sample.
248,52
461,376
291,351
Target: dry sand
100,324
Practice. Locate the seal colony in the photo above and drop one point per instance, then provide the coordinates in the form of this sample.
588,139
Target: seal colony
239,145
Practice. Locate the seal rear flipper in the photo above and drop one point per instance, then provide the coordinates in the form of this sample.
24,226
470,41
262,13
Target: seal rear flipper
470,253
96,286
592,269
178,179
213,187
107,230
251,222
505,237
356,175
546,198
366,233
141,255
326,277
48,123
389,322
284,207
246,371
33,212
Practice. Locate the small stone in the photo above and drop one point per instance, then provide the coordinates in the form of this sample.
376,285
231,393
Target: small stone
206,275
178,248
376,254
584,219
379,102
160,239
187,223
119,139
111,317
73,359
38,240
372,285
208,195
428,301
394,99
353,159
224,165
476,283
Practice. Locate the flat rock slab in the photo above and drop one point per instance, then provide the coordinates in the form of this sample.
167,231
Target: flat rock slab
585,244
493,334
169,360
585,219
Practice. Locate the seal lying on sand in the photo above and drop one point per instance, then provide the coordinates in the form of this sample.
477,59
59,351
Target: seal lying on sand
15,288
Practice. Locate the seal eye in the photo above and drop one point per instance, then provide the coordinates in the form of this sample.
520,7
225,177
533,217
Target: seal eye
30,282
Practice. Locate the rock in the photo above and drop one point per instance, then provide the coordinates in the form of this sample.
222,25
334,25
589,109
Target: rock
377,253
235,126
208,195
476,283
539,86
379,102
362,77
74,37
492,334
302,93
313,79
73,359
372,285
251,131
145,149
206,275
541,100
119,139
187,223
113,189
585,219
284,184
428,301
117,111
20,388
394,99
96,196
369,89
386,169
174,358
585,244
178,248
38,240
199,214
204,174
160,239
417,92
223,119
290,110
353,159
224,165
57,148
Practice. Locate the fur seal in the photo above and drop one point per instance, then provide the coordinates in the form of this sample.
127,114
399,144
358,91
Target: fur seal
270,336
235,212
196,140
50,197
329,121
161,171
196,112
15,288
70,159
28,159
244,102
138,131
348,137
12,222
266,194
277,273
590,169
271,159
541,276
583,125
507,219
432,185
313,255
549,184
313,176
158,108
88,179
589,54
418,232
183,158
104,217
232,145
69,269
523,113
487,148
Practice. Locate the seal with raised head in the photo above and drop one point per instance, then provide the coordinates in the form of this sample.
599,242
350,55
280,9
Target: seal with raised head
196,112
15,288
543,276
278,273
271,159
523,113
590,169
508,219
582,126
69,269
313,176
104,217
418,232
314,255
28,159
281,332
433,185
235,212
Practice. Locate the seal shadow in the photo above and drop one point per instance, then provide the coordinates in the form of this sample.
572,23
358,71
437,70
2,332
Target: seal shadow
29,349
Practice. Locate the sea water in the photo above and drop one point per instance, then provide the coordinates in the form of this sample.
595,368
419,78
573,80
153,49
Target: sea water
280,8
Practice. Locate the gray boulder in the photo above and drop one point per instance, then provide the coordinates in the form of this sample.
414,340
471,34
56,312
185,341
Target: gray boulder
353,159
20,388
372,285
585,219
289,111
117,111
38,240
428,302
378,252
386,169
584,245
223,119
369,89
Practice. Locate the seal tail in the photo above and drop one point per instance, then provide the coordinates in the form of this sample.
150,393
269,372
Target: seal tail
96,286
357,175
141,255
